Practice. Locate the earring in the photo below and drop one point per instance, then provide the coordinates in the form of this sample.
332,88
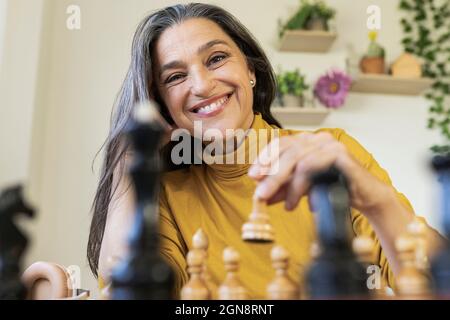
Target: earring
252,83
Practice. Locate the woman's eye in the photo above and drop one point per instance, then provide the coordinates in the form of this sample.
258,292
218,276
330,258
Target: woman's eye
174,78
217,59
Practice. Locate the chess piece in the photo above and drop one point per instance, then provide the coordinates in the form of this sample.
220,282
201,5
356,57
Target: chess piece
105,293
440,266
143,274
314,250
232,288
258,228
335,273
417,229
47,281
13,243
410,282
363,247
282,287
201,242
195,288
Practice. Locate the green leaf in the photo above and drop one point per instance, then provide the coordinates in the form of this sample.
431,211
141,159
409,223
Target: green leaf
407,41
405,5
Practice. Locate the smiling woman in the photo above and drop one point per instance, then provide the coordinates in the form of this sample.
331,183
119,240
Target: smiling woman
202,65
203,79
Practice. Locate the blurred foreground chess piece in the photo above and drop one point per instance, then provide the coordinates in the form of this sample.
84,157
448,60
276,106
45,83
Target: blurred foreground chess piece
335,273
51,281
282,287
197,287
364,248
13,243
418,231
143,274
411,282
440,266
232,287
201,242
258,228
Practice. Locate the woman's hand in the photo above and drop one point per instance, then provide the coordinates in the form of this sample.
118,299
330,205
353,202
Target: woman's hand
283,172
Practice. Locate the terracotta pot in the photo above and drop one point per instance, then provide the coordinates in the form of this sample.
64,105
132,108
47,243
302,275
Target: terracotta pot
289,100
372,65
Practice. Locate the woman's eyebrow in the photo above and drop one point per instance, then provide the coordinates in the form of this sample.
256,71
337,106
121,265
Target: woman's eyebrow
202,48
210,44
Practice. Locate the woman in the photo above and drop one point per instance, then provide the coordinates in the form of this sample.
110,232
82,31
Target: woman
200,64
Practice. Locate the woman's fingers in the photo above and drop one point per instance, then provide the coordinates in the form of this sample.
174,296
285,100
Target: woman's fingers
282,168
298,187
268,156
284,172
280,195
280,173
315,162
320,160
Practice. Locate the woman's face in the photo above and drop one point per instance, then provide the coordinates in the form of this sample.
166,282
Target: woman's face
202,75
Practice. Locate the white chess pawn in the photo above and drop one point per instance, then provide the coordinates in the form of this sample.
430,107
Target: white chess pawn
195,288
232,288
281,287
200,242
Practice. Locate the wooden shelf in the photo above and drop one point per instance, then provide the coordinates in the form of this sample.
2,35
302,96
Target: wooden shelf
387,84
300,115
307,41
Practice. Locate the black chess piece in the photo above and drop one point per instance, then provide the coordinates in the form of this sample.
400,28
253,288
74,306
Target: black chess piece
143,274
440,265
335,273
13,243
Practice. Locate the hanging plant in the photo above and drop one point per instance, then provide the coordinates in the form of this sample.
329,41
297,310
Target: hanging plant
426,27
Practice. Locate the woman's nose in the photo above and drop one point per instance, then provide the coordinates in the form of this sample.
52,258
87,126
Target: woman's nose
202,83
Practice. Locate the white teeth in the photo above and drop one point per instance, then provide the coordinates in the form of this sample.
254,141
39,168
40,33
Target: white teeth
213,106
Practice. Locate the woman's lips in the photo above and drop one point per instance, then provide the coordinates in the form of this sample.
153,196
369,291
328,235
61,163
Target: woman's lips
212,109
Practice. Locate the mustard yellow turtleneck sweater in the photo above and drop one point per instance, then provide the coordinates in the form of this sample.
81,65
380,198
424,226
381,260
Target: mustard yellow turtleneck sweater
218,199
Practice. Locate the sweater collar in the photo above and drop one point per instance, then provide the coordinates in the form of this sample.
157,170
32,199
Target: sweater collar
237,163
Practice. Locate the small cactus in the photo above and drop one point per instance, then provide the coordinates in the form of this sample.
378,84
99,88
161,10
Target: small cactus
375,50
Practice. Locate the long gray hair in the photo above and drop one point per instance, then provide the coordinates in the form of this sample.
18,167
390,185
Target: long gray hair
138,86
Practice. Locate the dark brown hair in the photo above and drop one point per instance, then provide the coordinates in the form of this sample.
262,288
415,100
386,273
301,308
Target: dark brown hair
138,87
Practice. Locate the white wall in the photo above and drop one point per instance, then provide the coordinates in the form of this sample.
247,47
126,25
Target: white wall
79,73
20,45
3,8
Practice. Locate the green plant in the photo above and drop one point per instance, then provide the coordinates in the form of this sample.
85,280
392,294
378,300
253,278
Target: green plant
306,12
291,82
426,27
374,50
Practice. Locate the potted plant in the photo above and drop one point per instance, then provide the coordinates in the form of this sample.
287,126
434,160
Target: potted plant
373,61
291,88
310,16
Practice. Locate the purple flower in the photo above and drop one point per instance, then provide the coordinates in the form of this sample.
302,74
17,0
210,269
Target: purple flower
331,89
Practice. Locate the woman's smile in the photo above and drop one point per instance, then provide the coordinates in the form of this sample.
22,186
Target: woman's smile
211,107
